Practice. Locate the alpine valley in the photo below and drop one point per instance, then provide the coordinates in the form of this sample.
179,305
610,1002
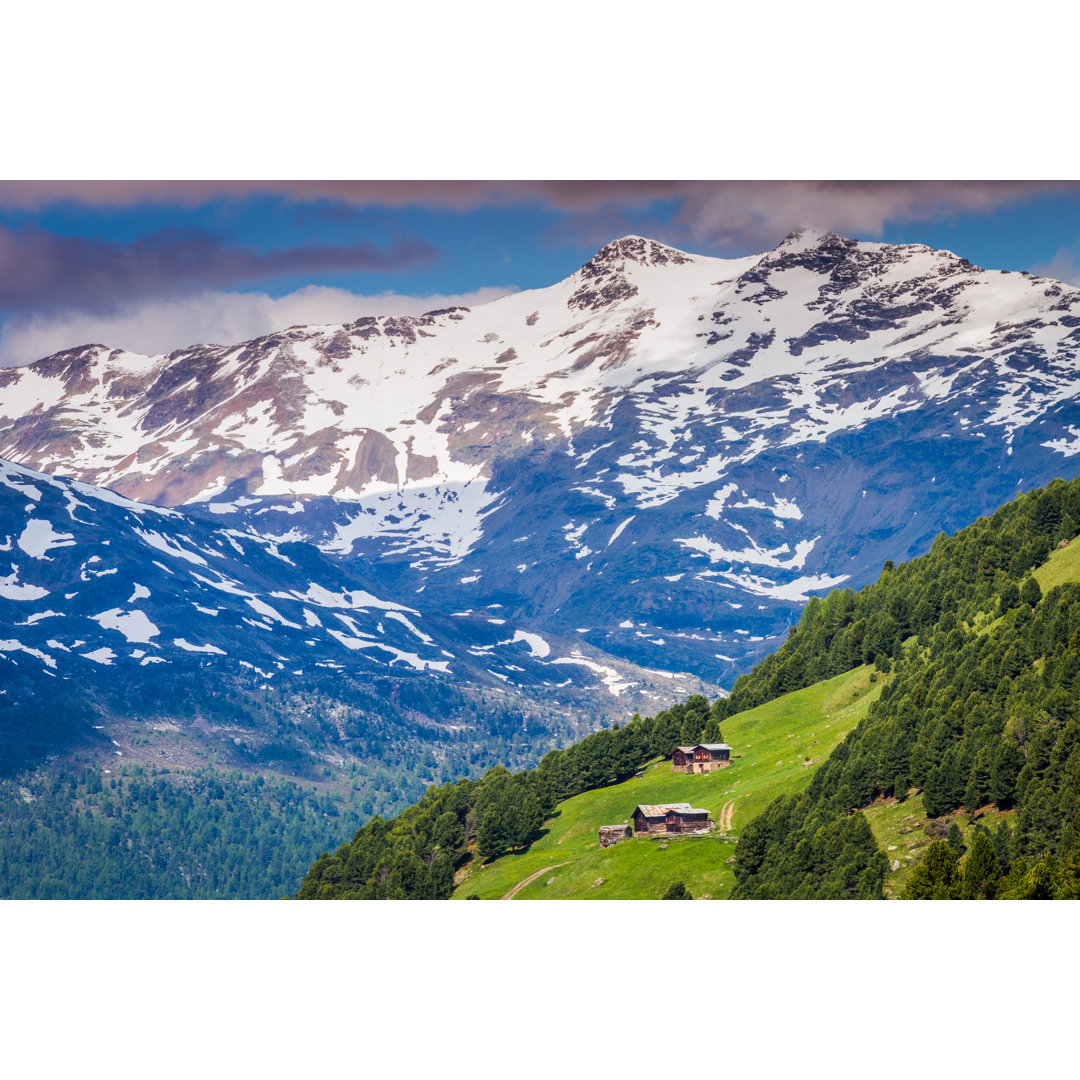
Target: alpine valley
271,589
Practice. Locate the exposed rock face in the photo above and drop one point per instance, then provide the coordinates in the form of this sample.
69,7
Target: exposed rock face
665,454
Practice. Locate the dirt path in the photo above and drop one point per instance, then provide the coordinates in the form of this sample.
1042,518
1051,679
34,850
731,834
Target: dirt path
531,878
726,815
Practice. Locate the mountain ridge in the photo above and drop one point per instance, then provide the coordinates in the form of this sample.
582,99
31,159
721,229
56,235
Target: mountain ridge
691,442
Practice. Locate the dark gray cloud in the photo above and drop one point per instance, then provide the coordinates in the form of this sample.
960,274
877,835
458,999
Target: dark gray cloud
41,271
743,214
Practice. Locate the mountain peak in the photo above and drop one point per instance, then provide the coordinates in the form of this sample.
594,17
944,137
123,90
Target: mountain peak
604,278
804,237
633,249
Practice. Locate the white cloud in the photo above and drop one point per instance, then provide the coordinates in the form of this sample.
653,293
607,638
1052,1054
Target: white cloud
1064,266
219,318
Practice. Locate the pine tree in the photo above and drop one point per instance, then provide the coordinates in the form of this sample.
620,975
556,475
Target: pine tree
980,869
1030,593
1002,841
1010,596
712,731
1007,763
495,832
955,839
978,787
944,789
1041,882
448,833
936,877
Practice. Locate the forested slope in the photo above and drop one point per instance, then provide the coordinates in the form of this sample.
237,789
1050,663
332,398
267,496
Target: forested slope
135,833
981,709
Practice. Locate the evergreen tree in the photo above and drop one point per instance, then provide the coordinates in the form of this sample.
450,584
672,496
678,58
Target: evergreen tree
944,790
1002,841
1004,770
1017,872
1030,592
711,734
448,832
980,869
936,877
1010,596
1041,882
955,839
677,890
495,832
977,791
690,732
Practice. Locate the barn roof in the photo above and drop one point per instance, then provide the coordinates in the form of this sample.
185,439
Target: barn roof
686,749
711,746
660,809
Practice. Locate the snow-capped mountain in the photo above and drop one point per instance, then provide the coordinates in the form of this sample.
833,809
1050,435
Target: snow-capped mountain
92,580
662,456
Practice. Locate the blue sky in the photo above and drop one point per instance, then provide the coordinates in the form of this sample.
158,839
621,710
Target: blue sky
153,266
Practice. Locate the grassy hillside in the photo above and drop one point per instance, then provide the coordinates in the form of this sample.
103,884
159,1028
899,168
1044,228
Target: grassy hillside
1062,567
775,750
977,735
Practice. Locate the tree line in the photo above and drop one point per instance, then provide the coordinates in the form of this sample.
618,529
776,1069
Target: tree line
948,871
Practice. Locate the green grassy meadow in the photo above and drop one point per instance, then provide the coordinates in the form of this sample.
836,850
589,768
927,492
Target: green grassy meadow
775,748
1062,567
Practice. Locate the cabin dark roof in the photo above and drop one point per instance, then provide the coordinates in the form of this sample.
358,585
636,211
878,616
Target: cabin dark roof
653,810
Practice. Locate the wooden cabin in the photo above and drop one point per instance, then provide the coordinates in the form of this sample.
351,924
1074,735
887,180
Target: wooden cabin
671,818
614,834
681,757
703,758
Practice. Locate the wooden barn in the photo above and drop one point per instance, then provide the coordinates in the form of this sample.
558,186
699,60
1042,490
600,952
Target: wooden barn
671,818
703,758
681,758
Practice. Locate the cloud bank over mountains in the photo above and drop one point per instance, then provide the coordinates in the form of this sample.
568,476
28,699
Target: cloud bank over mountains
164,288
750,214
162,324
41,270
